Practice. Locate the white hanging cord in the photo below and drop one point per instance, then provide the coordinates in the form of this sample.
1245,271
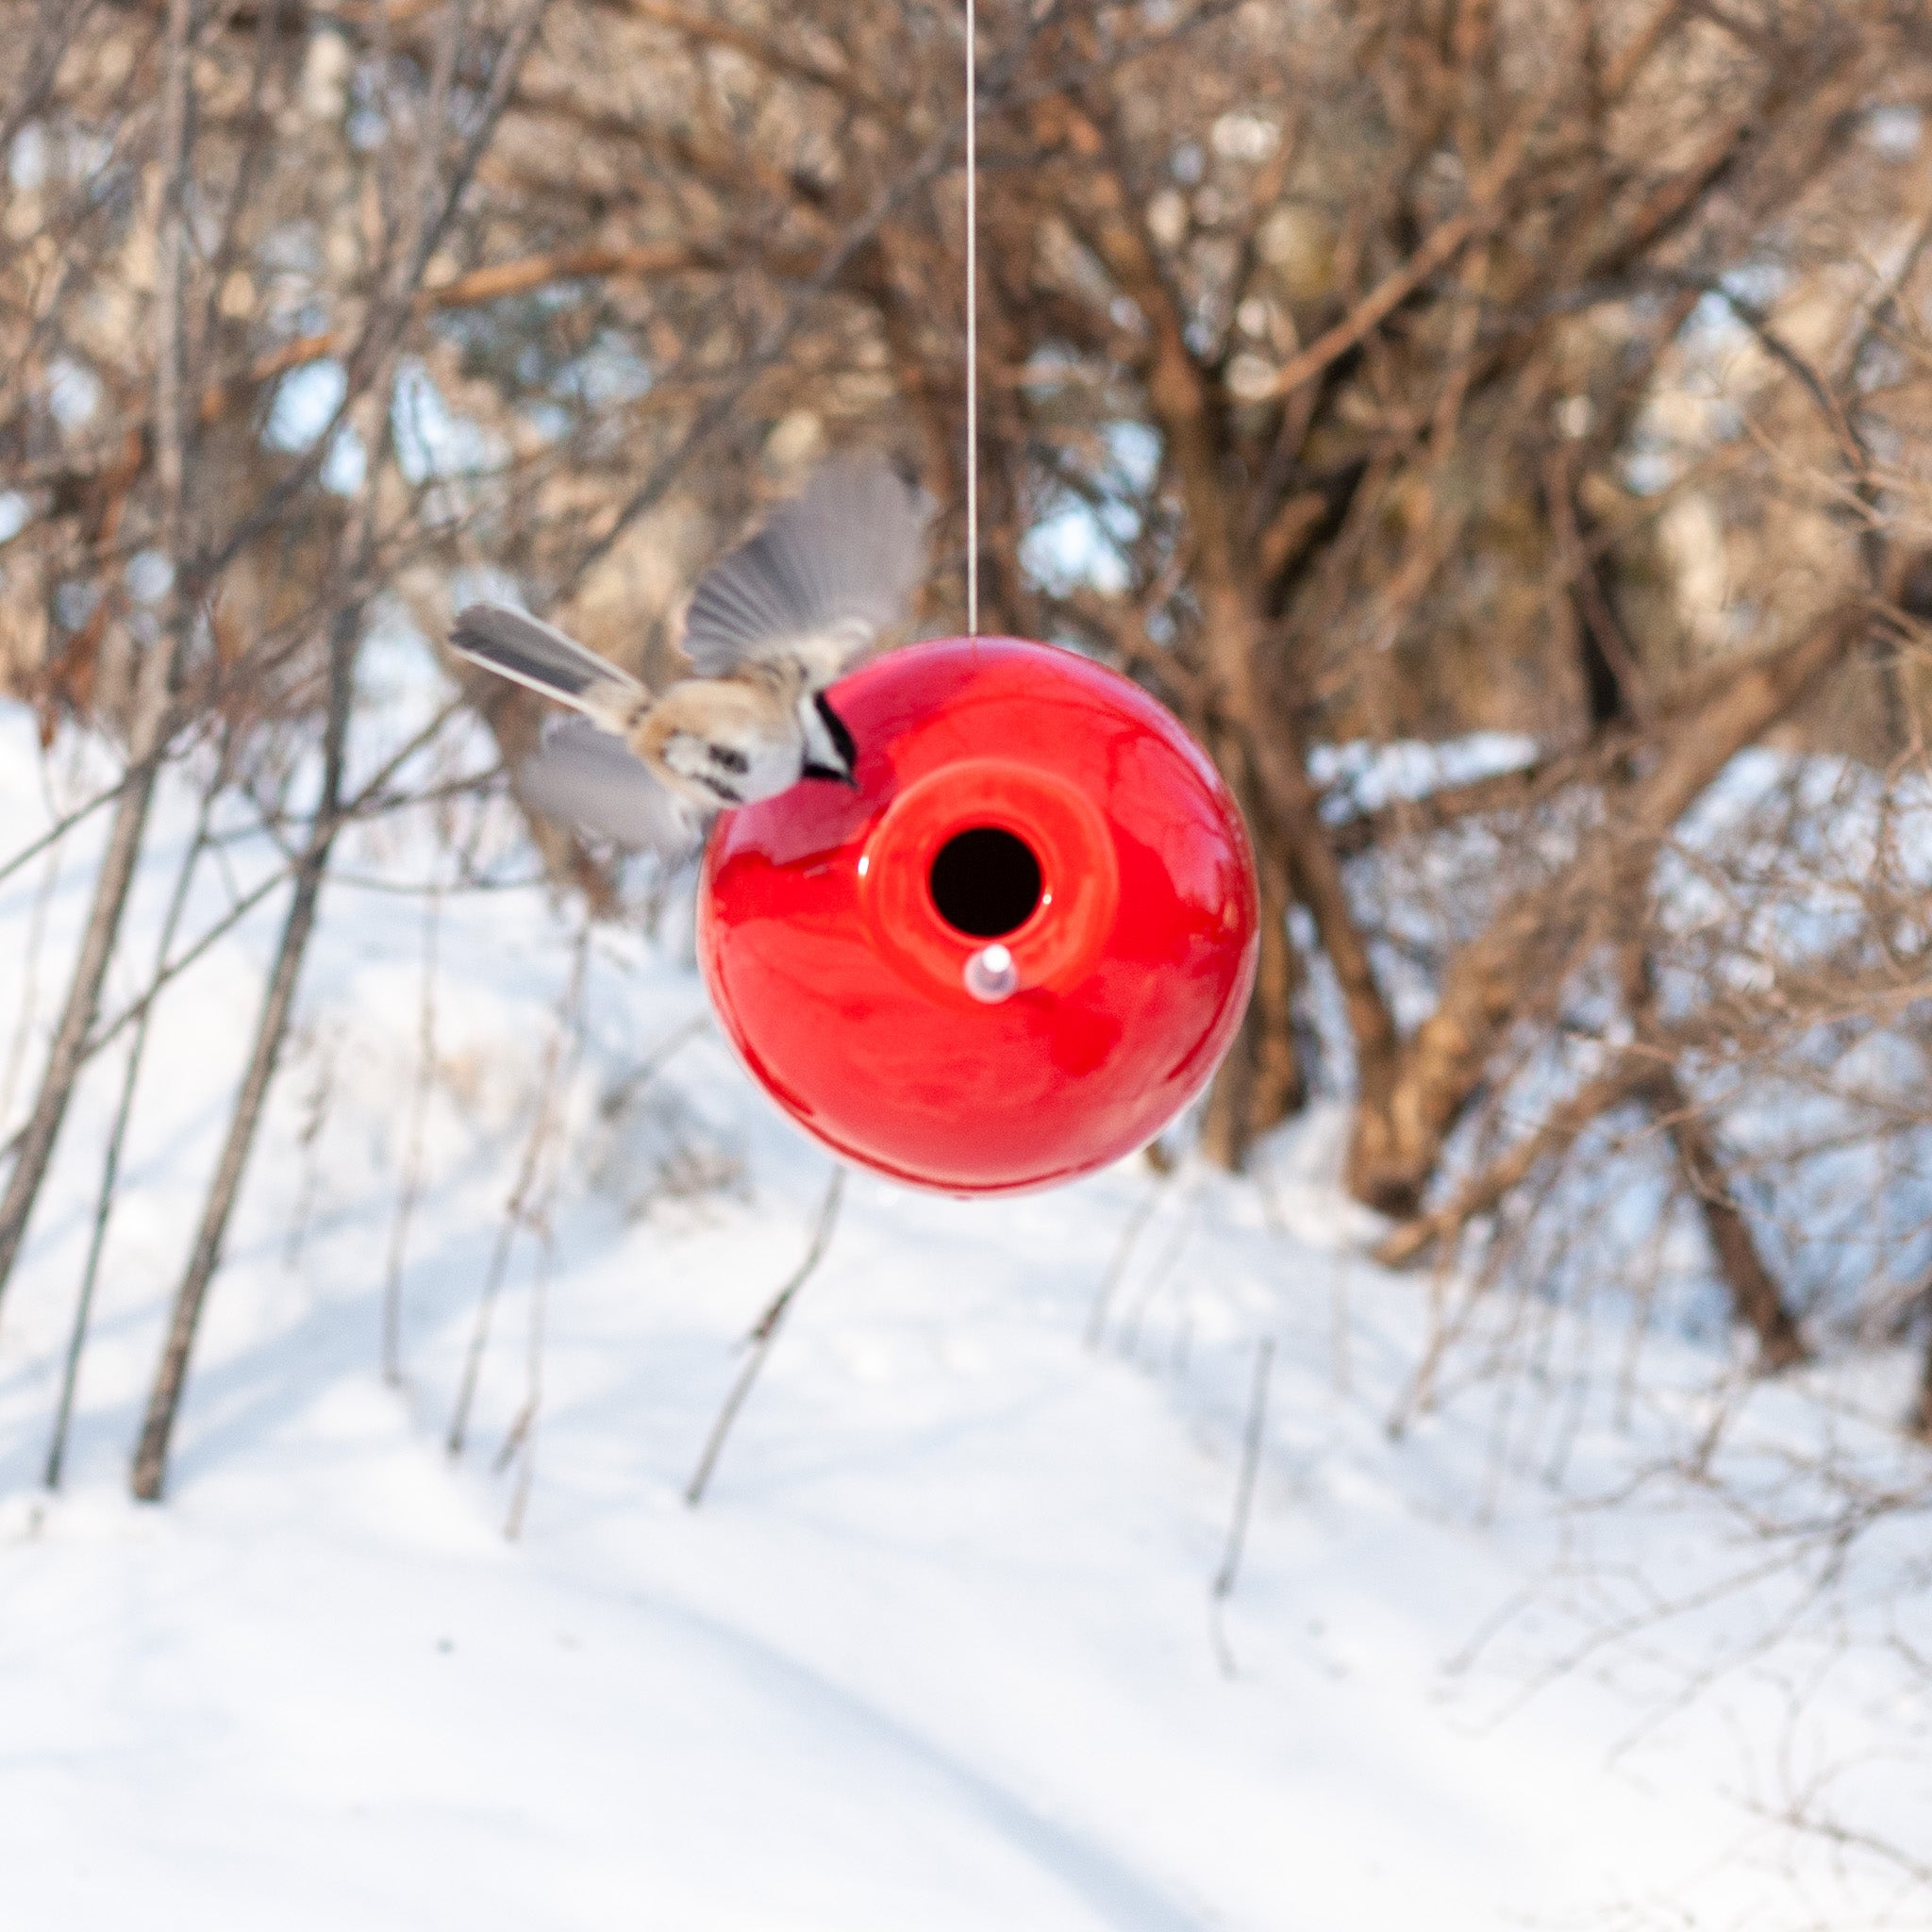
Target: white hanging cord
972,337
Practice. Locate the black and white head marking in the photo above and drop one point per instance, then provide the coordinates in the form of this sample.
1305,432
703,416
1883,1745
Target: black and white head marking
830,751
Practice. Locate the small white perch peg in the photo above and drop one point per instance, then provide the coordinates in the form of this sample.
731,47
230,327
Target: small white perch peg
992,975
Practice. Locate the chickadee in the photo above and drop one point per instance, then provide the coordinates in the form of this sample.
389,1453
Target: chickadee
769,626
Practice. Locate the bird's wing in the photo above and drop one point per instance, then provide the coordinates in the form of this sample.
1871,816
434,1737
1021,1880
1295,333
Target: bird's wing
518,646
832,570
591,779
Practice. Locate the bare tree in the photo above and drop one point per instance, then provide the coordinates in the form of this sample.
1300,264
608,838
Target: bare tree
1382,375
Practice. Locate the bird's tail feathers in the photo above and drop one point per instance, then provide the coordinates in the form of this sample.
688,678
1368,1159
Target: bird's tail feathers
522,648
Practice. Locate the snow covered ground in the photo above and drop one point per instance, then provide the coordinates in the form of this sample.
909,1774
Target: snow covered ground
938,1650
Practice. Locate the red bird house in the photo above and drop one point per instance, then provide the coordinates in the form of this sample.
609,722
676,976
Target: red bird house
1015,951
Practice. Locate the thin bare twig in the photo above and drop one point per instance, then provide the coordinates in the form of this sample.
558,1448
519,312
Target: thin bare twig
1226,1577
764,1331
522,1209
412,1157
117,1136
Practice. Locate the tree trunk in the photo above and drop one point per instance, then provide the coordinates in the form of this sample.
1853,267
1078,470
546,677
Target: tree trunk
111,884
1261,1082
154,684
1755,1298
164,1402
1754,1295
117,1140
1189,411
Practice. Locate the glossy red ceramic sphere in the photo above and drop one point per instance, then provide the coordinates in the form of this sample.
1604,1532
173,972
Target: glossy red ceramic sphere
1013,796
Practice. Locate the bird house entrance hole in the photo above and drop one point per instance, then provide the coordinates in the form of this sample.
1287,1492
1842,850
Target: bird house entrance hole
985,882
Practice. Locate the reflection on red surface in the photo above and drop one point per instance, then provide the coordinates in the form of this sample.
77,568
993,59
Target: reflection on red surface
841,984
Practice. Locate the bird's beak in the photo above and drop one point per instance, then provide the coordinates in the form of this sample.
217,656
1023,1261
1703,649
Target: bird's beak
839,752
